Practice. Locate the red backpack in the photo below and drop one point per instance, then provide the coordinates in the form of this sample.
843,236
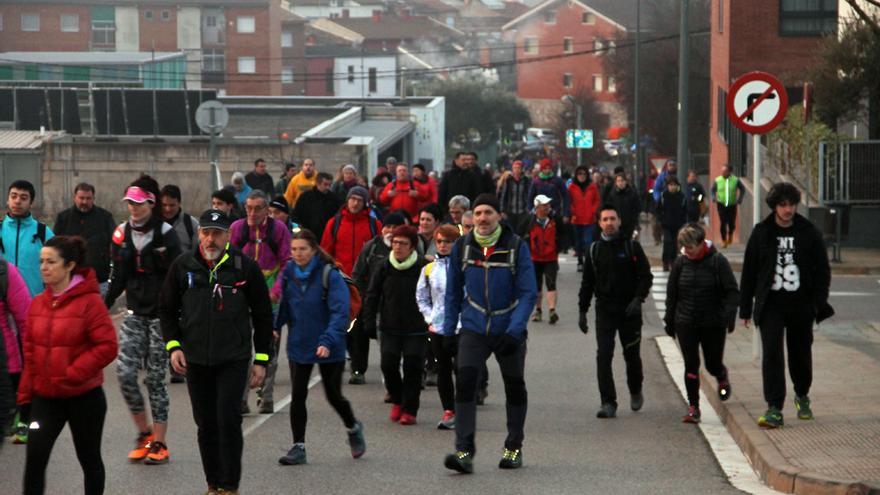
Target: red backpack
354,307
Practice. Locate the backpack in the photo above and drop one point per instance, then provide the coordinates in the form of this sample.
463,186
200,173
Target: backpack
337,222
627,248
39,236
240,243
188,224
355,302
510,263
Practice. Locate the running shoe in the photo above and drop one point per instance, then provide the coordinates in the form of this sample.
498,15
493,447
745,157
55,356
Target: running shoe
511,459
553,317
295,456
692,416
537,315
21,434
771,419
223,491
636,401
158,453
607,410
461,461
141,447
447,422
724,390
9,428
802,404
357,378
396,412
356,440
407,419
266,406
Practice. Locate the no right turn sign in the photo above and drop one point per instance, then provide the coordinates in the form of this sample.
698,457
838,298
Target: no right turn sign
757,103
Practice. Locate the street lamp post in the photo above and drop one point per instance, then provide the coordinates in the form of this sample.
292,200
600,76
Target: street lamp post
580,122
683,75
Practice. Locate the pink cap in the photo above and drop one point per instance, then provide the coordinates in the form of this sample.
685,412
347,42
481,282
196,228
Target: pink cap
138,195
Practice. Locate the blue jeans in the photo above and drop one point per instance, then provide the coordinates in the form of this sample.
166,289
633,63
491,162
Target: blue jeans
583,237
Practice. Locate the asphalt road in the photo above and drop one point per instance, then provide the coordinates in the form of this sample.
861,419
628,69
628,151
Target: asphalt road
567,450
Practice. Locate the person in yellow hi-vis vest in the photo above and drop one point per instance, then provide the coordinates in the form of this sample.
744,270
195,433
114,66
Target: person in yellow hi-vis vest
728,193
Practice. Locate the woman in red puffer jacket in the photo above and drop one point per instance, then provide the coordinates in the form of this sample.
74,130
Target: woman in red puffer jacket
70,340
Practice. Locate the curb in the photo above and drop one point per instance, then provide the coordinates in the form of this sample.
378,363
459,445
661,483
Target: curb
836,268
768,462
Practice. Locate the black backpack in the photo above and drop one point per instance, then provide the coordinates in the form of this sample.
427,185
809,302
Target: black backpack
241,242
39,236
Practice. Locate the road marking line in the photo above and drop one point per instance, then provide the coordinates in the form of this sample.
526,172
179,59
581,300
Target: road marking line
278,406
852,294
731,459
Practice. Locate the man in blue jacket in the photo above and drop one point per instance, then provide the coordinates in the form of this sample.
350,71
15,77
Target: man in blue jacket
22,235
489,257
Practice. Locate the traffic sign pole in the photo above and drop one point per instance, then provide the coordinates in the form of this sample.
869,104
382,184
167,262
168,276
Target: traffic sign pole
756,213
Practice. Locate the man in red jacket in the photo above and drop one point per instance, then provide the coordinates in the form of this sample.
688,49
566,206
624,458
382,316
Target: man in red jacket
403,193
351,228
544,230
585,199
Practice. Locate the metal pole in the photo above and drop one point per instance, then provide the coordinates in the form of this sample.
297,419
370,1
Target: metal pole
580,125
212,150
638,163
683,72
756,214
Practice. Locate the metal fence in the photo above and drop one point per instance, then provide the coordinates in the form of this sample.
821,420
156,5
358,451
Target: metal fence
849,173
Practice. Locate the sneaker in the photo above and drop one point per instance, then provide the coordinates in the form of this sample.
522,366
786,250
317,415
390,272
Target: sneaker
636,401
266,407
20,437
511,459
356,440
295,456
447,422
537,315
431,379
407,419
692,416
141,447
481,396
158,453
607,410
553,317
724,390
771,419
461,461
396,412
802,404
223,491
357,378
9,429
245,409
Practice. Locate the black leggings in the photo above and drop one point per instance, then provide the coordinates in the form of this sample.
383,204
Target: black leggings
445,367
24,410
331,377
85,415
712,341
727,217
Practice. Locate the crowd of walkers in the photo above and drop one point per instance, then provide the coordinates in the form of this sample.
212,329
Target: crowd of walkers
445,274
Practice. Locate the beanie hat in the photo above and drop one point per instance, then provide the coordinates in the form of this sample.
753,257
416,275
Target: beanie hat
393,218
488,199
360,192
280,203
546,164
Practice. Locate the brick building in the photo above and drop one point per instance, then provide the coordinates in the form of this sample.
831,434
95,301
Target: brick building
232,45
550,30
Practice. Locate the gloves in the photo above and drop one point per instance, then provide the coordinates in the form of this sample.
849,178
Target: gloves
670,330
507,345
450,343
582,323
634,308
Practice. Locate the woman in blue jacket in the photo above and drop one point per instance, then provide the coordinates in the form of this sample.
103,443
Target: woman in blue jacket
317,318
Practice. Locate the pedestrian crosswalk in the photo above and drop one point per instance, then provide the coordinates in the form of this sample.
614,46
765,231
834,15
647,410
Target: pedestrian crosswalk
658,291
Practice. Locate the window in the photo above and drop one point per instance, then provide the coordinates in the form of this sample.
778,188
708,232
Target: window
597,83
286,39
211,21
372,80
30,22
247,65
588,18
69,23
567,45
611,46
148,15
450,21
245,24
287,75
598,46
213,60
612,85
166,15
722,124
328,81
720,16
807,17
103,27
530,45
351,73
549,17
567,80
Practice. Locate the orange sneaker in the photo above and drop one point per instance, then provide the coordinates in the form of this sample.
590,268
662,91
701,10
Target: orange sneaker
158,453
141,447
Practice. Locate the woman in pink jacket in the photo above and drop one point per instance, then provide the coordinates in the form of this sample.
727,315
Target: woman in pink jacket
14,301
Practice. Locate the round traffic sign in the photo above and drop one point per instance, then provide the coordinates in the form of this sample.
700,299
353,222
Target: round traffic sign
212,117
756,103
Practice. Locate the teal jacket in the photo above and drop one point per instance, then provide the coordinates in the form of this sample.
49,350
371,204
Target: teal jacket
21,247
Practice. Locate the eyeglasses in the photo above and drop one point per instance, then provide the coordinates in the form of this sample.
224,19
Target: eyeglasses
255,208
400,243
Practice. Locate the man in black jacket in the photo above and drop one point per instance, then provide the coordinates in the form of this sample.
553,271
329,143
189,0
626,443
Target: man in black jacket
787,276
92,223
317,206
625,201
464,178
617,271
211,298
258,178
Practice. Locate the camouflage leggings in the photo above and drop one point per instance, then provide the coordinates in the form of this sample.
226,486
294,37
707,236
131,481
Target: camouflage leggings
140,344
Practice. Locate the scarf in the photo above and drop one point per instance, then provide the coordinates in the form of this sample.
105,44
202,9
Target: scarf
489,240
405,264
704,250
545,174
302,273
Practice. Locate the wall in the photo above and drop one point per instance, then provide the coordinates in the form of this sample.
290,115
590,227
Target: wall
189,38
127,29
294,57
720,79
157,34
315,12
256,44
49,37
317,86
429,137
386,81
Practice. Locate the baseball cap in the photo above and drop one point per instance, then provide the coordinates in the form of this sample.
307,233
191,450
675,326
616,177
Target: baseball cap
137,195
214,219
542,200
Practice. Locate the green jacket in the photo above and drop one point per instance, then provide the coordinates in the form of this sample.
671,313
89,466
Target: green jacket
724,190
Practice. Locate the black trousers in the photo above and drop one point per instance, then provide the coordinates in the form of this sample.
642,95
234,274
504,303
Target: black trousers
670,242
444,364
690,340
727,217
795,326
405,390
215,395
358,343
24,410
85,415
610,323
473,351
331,377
